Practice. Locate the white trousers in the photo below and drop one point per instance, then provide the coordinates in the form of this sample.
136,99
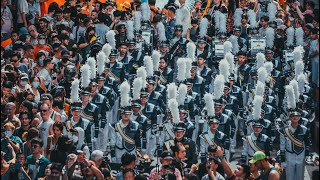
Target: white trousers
295,165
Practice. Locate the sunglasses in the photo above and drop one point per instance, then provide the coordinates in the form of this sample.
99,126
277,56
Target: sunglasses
14,61
44,110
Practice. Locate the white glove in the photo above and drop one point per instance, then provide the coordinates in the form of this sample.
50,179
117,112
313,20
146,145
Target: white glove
94,140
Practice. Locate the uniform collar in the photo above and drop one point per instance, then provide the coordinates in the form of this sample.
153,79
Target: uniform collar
253,137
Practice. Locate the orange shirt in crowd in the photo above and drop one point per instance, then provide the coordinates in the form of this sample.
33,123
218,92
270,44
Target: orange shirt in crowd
37,49
45,5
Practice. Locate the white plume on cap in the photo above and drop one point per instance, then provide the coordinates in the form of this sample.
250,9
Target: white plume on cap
161,32
93,68
290,36
223,23
74,94
107,51
295,86
299,36
149,65
85,75
290,97
137,86
227,46
299,68
269,67
301,82
155,59
298,54
174,109
181,75
110,36
269,37
235,45
188,67
272,10
230,58
172,91
182,93
208,99
261,59
257,104
224,69
130,30
262,74
141,72
217,19
146,12
252,18
237,17
125,94
218,86
137,20
191,51
204,24
101,57
260,89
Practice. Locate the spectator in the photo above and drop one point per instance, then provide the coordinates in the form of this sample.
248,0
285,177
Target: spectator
212,166
58,107
22,87
56,173
36,162
35,84
52,142
6,18
32,133
97,158
165,167
254,171
101,27
269,171
78,30
34,35
45,75
128,161
10,109
15,61
67,17
19,169
41,44
90,171
23,11
25,119
9,139
46,125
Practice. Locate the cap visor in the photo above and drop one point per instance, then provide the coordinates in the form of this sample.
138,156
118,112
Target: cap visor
252,161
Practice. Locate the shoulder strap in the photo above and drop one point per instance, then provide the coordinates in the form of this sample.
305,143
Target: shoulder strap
293,139
253,145
123,135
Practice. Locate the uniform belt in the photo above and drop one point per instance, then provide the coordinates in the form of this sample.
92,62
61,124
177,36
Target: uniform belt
292,152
